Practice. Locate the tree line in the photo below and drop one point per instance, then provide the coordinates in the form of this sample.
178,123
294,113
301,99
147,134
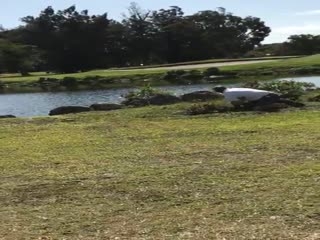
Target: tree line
70,40
303,44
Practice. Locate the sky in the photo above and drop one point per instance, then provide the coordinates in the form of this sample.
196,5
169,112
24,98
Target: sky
285,17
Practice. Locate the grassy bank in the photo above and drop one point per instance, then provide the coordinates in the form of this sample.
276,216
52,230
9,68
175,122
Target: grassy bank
212,61
154,173
303,65
104,79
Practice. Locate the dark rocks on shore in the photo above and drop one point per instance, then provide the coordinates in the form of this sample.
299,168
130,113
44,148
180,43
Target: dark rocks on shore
201,96
135,102
163,99
7,116
158,99
105,106
68,110
272,107
271,103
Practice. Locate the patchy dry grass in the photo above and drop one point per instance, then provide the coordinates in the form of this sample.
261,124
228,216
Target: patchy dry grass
154,173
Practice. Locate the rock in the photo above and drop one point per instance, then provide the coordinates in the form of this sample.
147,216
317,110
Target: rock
135,102
267,100
163,99
274,98
201,96
7,116
105,106
271,103
68,110
273,107
158,99
292,103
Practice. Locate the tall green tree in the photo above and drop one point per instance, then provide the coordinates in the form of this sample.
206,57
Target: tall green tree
304,44
139,34
16,57
72,40
227,35
169,26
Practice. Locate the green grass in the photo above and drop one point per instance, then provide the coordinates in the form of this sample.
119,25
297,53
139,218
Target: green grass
155,173
132,72
212,61
102,73
106,79
309,61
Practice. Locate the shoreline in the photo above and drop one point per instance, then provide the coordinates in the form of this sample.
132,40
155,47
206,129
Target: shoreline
116,79
81,85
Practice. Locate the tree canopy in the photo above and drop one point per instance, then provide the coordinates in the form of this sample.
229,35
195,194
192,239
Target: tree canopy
70,40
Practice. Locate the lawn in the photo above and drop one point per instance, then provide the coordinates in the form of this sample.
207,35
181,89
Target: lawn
102,73
155,173
214,61
145,71
309,61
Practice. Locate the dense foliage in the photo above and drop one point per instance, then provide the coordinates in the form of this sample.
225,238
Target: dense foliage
303,44
70,40
287,88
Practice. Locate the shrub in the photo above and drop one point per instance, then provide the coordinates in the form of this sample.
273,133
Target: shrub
2,86
145,92
314,99
149,96
288,88
48,80
174,76
306,70
70,83
211,71
193,75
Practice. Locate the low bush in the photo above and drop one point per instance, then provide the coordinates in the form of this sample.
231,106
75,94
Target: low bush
70,83
193,76
211,72
48,80
174,74
306,70
314,99
149,96
2,86
143,93
288,88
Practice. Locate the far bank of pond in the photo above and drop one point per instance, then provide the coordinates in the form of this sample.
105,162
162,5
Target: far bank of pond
111,79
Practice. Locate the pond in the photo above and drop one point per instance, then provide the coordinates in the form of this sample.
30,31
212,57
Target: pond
39,104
